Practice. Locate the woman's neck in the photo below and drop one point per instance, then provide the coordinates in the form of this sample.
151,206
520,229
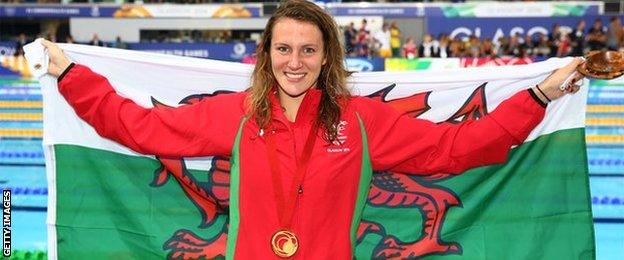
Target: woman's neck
290,105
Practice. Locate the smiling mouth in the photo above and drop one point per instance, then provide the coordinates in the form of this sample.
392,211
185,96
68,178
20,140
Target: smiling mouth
294,76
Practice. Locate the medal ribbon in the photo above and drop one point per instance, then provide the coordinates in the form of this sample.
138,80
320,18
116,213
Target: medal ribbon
286,205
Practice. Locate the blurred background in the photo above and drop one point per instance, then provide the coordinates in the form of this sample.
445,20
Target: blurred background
378,36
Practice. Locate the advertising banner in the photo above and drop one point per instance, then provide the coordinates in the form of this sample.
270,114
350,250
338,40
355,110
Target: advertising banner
385,10
495,28
134,11
365,64
489,61
188,11
57,11
521,9
400,64
488,9
217,51
7,48
518,9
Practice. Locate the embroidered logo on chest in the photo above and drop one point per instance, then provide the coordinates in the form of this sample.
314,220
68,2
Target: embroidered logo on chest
341,138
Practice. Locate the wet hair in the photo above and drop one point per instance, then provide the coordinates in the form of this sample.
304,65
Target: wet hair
332,80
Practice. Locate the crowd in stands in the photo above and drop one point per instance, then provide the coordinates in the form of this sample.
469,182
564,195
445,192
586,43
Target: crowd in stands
387,42
22,39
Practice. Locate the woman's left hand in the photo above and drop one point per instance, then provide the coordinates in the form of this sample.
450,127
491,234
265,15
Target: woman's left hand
550,86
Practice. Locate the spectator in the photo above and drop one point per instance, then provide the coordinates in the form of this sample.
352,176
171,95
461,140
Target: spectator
196,36
119,43
363,44
577,39
536,45
596,37
487,48
444,47
457,48
543,47
514,45
428,48
95,41
474,47
410,50
224,36
526,47
69,39
395,39
563,49
614,34
363,40
382,40
503,46
350,41
553,37
21,41
51,37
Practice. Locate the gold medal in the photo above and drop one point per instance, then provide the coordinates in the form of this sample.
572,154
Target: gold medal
602,65
284,243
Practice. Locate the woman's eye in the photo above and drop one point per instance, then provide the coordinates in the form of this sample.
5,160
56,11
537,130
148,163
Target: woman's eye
309,50
282,49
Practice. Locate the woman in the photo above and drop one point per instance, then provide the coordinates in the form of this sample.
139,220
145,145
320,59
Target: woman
410,50
596,36
429,47
474,47
614,34
488,49
395,39
444,49
577,39
457,48
298,139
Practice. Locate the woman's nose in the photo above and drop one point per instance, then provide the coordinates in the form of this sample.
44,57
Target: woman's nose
295,61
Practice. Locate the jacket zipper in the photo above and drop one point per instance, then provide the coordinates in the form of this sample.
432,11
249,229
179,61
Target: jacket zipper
298,202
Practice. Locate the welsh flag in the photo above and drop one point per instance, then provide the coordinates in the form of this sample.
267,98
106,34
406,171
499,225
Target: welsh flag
108,202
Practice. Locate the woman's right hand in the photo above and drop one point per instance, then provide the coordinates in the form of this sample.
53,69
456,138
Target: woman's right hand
58,61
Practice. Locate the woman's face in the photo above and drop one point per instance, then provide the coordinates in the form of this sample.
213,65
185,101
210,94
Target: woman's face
297,55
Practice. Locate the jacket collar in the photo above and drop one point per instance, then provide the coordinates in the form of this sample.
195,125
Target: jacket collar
308,109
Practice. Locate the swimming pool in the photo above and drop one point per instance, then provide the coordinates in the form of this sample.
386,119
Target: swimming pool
22,166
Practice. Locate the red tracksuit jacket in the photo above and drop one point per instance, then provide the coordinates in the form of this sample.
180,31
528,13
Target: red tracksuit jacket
338,178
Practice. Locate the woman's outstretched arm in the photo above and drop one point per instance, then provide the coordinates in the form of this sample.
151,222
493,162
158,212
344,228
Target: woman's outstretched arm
417,146
204,128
